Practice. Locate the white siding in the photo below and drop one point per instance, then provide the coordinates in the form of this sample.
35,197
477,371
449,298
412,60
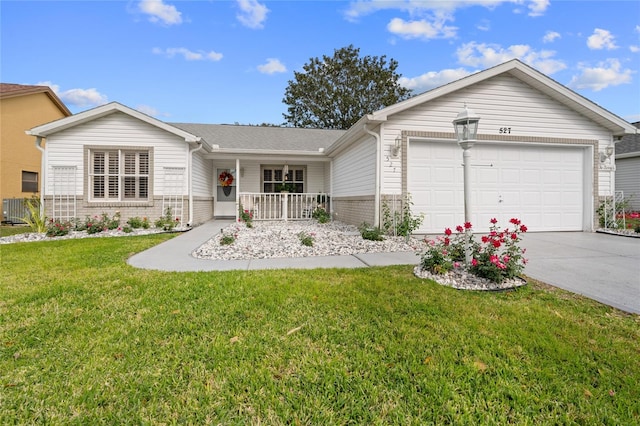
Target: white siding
628,179
65,148
354,170
202,169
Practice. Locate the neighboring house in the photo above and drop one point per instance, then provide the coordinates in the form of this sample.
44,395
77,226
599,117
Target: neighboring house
627,155
537,158
23,107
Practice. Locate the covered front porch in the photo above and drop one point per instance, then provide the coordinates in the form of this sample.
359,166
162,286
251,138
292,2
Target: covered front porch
271,188
282,206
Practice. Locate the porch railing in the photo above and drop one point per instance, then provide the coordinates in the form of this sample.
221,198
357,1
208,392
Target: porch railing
283,206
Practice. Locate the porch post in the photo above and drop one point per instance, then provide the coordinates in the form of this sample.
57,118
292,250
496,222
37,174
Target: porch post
237,189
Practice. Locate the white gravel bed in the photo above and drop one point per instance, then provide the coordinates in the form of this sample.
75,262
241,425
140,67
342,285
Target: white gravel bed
35,236
267,240
461,279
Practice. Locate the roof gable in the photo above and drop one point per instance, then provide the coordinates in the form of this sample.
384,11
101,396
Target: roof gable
102,111
533,78
10,90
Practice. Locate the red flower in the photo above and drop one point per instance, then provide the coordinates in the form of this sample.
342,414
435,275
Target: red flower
459,228
523,228
447,231
514,236
467,225
474,262
446,241
496,243
494,220
515,221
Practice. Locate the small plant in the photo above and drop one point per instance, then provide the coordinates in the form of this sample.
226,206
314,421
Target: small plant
321,215
372,233
35,220
307,239
127,229
135,222
56,228
245,216
227,238
167,222
94,226
436,258
403,222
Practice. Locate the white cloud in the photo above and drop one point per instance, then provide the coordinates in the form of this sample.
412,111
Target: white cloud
482,55
272,66
550,37
252,14
151,111
420,29
432,79
187,54
609,73
77,97
538,7
160,12
601,39
634,49
83,97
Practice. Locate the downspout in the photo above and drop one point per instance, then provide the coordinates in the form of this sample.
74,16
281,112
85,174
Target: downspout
376,200
190,180
43,171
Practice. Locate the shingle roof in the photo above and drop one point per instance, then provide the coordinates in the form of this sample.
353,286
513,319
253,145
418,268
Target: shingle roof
262,137
629,143
10,90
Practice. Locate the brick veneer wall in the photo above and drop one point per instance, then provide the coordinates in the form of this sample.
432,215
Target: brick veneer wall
354,210
203,209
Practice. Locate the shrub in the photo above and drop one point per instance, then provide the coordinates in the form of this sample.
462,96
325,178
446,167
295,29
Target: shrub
56,228
321,215
372,233
245,216
167,222
403,222
135,222
498,257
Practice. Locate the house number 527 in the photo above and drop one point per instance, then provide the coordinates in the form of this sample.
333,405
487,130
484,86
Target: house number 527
505,130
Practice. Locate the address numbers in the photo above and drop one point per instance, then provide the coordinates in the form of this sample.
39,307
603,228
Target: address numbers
505,130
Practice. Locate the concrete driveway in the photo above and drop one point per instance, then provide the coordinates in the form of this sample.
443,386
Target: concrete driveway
602,267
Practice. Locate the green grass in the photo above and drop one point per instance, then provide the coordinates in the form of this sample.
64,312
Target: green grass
87,339
8,230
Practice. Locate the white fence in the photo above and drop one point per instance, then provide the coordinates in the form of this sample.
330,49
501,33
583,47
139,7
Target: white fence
282,206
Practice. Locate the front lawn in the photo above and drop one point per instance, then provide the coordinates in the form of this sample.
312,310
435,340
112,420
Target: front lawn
87,339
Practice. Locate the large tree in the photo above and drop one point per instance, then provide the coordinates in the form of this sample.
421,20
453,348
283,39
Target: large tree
335,92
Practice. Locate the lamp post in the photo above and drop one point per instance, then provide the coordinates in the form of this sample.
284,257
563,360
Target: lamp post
466,129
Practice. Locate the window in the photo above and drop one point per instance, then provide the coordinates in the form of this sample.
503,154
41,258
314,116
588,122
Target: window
119,175
29,181
279,178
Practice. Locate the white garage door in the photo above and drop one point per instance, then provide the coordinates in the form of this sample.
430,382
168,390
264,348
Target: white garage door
541,185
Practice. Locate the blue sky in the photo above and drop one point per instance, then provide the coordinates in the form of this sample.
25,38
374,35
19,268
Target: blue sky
231,61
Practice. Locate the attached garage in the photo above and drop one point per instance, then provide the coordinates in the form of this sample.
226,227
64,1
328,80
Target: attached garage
546,186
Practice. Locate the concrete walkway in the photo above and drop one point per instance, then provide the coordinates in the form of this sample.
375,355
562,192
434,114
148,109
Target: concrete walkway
175,255
602,267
